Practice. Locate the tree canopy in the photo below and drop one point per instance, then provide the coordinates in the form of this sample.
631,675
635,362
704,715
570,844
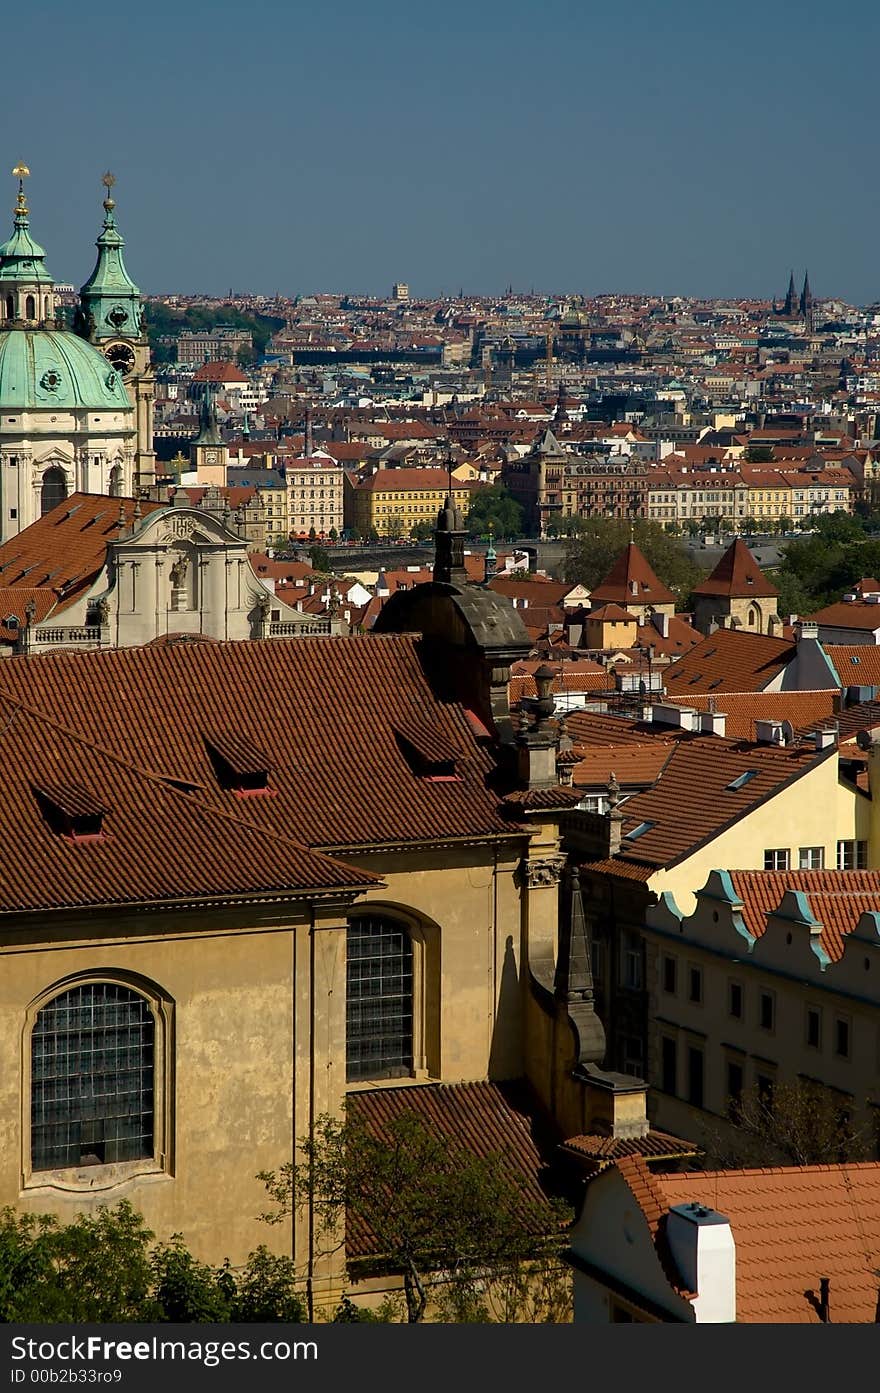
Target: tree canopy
816,570
593,548
105,1268
494,509
443,1217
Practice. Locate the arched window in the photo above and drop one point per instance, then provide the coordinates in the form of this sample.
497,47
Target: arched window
30,308
116,481
379,1002
10,307
92,1063
754,616
54,490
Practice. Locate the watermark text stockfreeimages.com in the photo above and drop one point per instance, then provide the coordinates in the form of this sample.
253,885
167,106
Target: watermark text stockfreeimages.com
91,1348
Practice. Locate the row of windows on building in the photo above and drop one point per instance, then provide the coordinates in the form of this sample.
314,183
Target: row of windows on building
764,1013
851,856
94,1047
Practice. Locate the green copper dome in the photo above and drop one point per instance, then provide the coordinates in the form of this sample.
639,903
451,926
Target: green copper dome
53,368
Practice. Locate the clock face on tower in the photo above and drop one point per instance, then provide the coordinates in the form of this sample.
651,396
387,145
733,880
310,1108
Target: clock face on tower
121,355
210,456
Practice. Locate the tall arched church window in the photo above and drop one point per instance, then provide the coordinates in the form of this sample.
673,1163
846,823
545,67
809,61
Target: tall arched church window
379,1002
92,1084
54,490
116,481
10,307
30,308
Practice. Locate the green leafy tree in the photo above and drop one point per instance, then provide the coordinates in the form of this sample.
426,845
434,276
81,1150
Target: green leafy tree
445,1219
590,556
102,1269
494,509
394,527
333,535
758,454
801,1123
319,559
422,531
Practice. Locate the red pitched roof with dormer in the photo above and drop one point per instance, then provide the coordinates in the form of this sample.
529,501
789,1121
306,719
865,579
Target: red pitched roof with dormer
737,576
631,581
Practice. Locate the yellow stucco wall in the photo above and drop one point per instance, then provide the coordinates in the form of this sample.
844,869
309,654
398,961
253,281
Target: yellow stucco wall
817,810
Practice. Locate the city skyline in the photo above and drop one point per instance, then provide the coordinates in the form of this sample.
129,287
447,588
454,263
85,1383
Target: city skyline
566,150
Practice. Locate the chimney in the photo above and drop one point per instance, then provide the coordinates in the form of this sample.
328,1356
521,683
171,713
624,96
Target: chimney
702,1247
713,722
825,1300
806,630
667,714
825,739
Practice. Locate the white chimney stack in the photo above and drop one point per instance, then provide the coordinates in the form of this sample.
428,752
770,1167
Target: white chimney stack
713,722
769,733
702,1247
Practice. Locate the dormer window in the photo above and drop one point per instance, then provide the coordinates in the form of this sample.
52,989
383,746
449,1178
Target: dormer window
239,765
428,753
71,811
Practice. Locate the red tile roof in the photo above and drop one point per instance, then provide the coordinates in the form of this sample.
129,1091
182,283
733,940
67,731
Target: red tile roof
837,899
692,801
631,581
327,710
65,550
743,709
848,614
856,664
792,1225
737,576
729,661
161,840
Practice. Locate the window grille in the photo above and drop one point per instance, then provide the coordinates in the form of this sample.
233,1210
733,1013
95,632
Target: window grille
92,1055
379,1005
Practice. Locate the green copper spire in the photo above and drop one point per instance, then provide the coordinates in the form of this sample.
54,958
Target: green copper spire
21,258
110,302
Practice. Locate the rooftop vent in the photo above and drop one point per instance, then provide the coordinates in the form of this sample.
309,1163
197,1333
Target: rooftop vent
769,733
825,739
71,810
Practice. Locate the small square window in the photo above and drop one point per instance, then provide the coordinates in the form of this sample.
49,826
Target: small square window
670,966
735,1000
695,984
776,859
811,858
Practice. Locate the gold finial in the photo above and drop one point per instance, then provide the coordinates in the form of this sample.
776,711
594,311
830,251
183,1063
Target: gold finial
21,172
108,180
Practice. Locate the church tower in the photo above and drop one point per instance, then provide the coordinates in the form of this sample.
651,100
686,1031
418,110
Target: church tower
208,450
806,304
790,306
111,316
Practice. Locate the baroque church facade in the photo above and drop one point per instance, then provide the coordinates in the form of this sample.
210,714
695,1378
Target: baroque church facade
76,404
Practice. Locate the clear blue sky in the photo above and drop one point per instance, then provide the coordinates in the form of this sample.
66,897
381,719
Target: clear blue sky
682,148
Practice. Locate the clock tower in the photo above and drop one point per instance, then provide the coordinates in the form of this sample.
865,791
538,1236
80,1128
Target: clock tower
208,450
111,316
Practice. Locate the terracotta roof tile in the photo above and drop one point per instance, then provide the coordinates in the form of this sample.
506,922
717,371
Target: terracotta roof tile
737,576
792,1226
64,550
325,709
857,665
631,581
837,899
743,709
729,661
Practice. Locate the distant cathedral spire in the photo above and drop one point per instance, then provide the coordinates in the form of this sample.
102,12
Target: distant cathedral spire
806,302
791,297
